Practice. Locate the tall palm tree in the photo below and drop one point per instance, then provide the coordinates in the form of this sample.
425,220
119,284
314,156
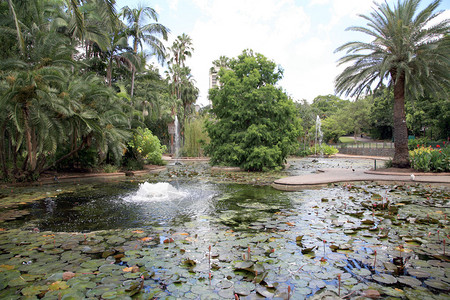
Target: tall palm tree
142,33
181,49
407,51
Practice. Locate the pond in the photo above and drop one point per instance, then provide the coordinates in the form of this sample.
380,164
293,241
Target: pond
191,233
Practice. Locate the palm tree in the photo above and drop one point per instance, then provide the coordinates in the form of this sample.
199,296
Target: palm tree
407,51
145,33
181,49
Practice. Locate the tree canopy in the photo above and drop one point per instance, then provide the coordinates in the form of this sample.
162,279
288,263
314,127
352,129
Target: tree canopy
255,124
407,51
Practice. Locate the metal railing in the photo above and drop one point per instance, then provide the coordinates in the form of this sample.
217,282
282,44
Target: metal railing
368,145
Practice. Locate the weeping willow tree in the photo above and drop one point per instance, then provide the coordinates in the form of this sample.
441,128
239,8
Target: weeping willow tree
408,49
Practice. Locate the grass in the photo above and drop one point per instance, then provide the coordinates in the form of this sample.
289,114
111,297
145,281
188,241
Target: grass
345,139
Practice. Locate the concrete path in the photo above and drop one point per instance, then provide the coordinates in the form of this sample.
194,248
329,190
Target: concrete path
327,176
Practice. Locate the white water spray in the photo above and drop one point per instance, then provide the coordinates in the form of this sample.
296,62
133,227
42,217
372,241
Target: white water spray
156,192
319,136
177,137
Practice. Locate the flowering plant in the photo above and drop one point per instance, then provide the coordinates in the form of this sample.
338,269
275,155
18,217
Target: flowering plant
428,159
147,146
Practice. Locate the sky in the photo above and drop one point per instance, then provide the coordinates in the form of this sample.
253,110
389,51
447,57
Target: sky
299,35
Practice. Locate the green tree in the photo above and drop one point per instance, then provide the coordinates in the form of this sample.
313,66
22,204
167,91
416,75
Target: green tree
182,83
327,105
256,125
381,112
143,33
407,51
429,116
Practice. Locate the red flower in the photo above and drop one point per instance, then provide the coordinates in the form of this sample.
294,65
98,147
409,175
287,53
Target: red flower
418,145
438,146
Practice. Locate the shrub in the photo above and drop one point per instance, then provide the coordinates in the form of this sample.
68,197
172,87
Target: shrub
428,159
110,168
323,149
147,146
195,138
303,152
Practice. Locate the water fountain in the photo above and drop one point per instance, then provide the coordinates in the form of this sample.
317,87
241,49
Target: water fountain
177,137
236,235
319,136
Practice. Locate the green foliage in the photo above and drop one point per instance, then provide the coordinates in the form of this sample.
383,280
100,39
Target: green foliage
405,51
429,116
323,149
328,105
332,130
417,143
388,164
195,138
302,151
380,113
256,125
147,146
428,159
110,168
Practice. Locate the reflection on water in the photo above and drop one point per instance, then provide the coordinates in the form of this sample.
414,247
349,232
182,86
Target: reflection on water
129,204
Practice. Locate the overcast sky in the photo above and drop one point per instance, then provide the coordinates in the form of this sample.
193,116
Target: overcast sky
299,35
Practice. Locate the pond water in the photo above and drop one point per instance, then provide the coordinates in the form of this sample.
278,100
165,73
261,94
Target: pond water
190,233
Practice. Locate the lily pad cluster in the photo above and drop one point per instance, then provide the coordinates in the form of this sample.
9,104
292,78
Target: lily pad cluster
345,240
315,247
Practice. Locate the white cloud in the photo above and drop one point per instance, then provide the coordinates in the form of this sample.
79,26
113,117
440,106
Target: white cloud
301,36
173,4
272,28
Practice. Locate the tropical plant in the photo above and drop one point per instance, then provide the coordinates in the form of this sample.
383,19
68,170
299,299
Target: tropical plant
142,33
147,146
428,159
323,149
407,50
255,124
195,137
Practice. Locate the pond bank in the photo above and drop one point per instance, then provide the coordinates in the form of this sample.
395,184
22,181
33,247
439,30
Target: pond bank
327,176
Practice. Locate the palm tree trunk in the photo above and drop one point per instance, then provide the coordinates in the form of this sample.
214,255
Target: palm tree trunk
29,141
3,151
133,72
401,154
109,72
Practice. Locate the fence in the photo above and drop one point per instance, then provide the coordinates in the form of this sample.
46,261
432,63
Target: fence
367,149
371,145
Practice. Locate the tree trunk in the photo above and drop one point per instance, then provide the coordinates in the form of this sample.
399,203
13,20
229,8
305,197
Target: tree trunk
29,141
401,154
109,72
3,151
133,72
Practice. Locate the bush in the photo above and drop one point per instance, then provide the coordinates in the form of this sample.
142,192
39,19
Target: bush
413,144
195,138
301,152
323,149
147,146
110,168
424,142
428,159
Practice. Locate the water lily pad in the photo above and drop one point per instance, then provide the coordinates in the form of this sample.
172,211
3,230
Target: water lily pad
418,273
411,281
244,288
362,272
384,278
437,284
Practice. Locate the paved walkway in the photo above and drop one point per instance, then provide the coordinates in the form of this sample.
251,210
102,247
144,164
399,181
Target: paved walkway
327,176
